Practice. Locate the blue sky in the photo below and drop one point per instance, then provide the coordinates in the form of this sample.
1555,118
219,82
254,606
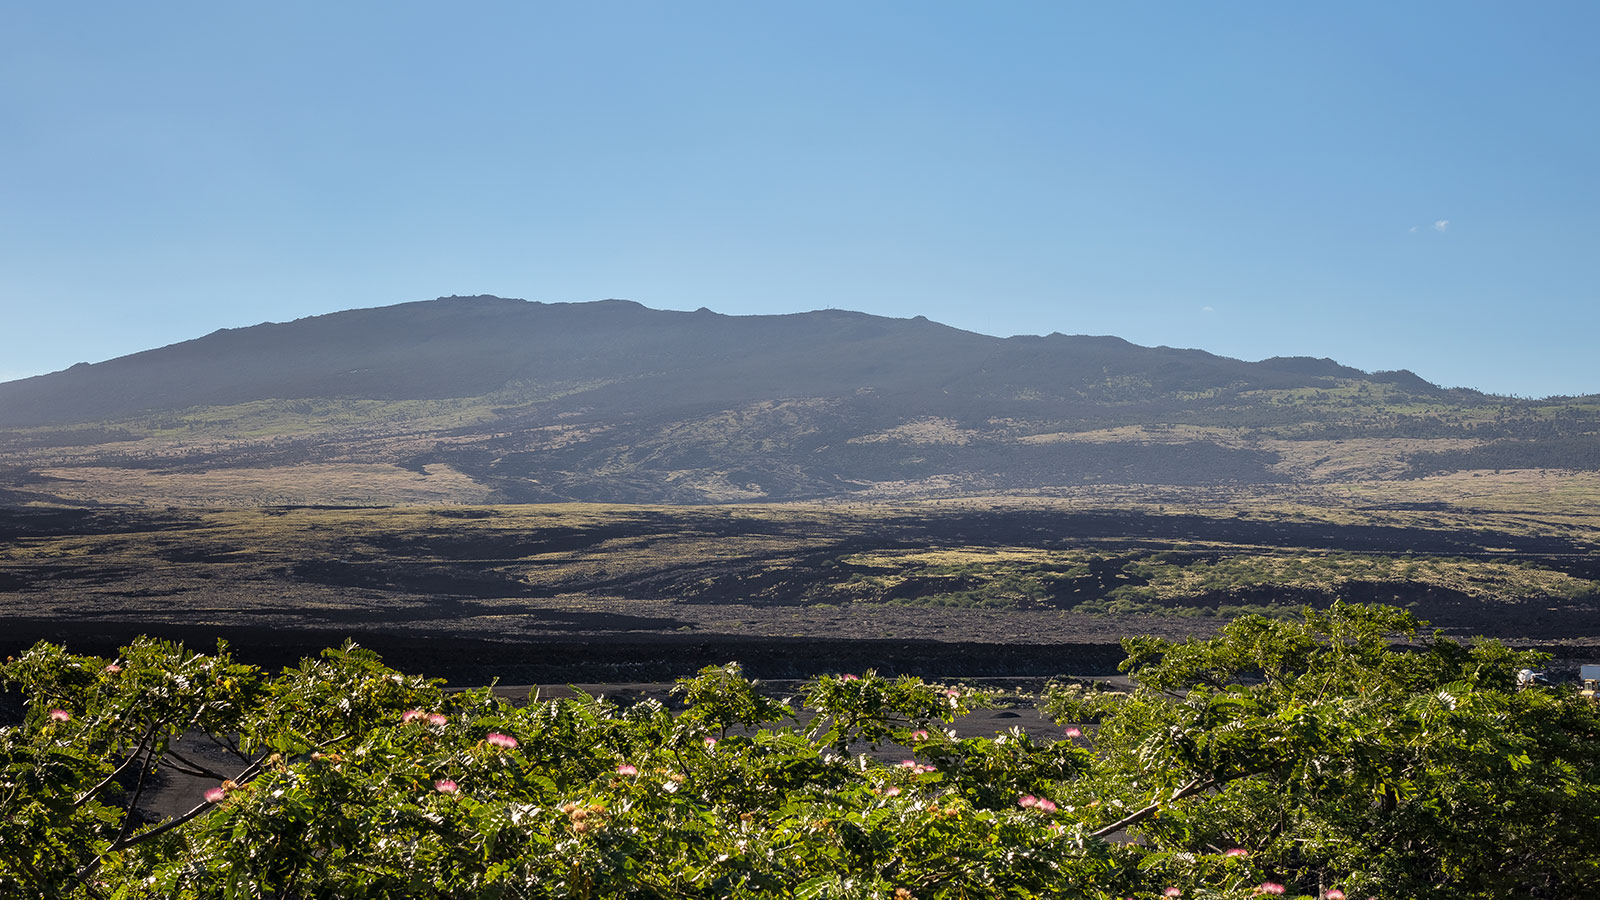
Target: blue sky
1392,185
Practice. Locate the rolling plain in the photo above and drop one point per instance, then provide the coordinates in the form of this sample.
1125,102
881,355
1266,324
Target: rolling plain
976,586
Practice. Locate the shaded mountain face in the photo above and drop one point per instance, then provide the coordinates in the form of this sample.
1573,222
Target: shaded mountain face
626,358
614,401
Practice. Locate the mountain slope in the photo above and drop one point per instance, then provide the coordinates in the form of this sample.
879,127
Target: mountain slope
614,401
472,346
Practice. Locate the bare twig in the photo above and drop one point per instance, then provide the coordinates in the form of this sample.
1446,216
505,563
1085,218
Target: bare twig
188,766
230,745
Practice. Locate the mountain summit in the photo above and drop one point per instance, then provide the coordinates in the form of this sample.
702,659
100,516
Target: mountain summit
622,355
611,400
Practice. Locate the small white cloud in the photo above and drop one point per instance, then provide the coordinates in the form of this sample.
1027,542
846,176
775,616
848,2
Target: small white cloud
1413,229
1207,309
1441,225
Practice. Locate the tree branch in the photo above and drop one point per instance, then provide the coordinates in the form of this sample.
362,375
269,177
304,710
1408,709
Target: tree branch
1198,785
138,791
137,752
125,840
1188,790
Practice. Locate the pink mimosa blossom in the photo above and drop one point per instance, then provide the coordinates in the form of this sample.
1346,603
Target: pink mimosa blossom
626,769
1334,894
437,719
503,741
1073,732
848,677
1270,887
445,786
215,795
60,715
411,715
1237,851
921,734
113,668
1029,801
711,743
1172,892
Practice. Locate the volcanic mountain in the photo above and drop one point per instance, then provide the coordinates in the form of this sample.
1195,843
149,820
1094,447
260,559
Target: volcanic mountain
493,399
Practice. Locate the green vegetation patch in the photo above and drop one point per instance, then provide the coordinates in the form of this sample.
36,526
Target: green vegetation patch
1313,760
1170,577
963,577
271,418
1197,581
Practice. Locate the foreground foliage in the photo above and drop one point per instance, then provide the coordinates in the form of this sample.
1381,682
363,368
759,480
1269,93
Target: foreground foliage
1308,758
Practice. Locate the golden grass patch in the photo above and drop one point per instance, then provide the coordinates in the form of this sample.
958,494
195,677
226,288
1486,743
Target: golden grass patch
1354,458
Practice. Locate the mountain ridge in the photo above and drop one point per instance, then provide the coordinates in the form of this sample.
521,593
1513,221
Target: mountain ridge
339,335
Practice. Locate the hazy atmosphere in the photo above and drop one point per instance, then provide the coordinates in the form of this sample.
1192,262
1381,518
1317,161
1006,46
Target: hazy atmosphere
1393,187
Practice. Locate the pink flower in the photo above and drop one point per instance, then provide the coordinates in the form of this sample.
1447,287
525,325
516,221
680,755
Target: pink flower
952,693
711,743
445,786
411,715
503,741
891,791
848,677
1334,894
921,734
1045,805
916,767
1028,801
215,795
626,769
60,715
1237,851
113,668
1270,887
1073,732
436,719
1172,892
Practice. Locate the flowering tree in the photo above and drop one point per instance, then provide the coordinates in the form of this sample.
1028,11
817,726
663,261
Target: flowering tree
1333,761
1308,760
